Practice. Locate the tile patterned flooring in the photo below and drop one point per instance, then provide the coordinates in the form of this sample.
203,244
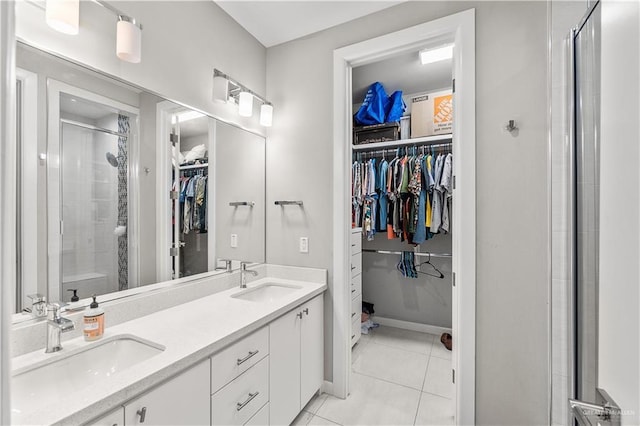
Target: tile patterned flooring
400,377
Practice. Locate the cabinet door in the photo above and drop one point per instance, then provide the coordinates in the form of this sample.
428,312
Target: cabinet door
114,418
311,349
284,368
183,400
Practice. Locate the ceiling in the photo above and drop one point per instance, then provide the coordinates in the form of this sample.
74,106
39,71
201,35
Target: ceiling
402,72
276,22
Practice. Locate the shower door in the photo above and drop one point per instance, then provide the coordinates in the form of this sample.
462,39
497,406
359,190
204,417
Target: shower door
88,196
606,226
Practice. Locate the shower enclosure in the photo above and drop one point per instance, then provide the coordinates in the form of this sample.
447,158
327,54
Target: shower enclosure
90,253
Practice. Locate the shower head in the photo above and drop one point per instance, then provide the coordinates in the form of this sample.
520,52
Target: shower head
112,159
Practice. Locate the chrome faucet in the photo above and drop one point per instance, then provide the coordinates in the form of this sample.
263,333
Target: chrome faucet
243,274
227,265
56,324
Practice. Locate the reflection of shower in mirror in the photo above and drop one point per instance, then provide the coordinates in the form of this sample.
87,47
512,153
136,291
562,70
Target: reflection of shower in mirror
112,159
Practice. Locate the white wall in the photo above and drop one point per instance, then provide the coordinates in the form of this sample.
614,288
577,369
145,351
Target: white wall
619,296
512,200
182,42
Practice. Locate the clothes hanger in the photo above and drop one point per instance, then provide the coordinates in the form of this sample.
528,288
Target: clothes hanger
428,262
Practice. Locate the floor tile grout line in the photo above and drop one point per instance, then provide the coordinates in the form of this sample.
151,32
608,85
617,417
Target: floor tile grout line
402,349
386,381
415,418
329,420
426,371
439,396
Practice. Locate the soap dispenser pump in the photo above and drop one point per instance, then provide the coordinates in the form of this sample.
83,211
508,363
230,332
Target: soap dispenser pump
75,297
93,321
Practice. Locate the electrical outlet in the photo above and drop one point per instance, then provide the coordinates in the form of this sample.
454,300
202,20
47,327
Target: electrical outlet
304,245
234,240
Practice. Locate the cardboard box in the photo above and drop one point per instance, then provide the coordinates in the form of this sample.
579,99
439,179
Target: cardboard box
432,114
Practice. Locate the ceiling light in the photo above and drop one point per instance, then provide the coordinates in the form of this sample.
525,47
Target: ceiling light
245,105
63,15
266,115
189,115
129,39
429,56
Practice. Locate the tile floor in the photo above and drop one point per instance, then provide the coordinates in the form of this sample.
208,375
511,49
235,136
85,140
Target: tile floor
400,377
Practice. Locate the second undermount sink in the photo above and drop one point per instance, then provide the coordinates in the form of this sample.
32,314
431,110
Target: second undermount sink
78,369
267,292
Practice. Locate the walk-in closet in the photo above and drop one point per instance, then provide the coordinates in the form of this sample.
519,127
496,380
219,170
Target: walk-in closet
402,185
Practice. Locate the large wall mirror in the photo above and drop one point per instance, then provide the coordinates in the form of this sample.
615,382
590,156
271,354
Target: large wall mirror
120,188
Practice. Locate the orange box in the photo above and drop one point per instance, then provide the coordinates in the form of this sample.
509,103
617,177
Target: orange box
432,114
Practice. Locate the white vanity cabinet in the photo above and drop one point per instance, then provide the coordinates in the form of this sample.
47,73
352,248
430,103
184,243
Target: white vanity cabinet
296,360
240,381
113,418
183,400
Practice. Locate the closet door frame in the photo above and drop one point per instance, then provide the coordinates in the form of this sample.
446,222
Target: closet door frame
460,28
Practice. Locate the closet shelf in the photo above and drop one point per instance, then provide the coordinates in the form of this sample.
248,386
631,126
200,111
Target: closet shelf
194,166
402,142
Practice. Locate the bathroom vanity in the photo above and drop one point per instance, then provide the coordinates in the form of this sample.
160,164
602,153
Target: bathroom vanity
238,356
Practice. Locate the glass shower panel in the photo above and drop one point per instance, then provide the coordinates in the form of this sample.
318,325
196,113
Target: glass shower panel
92,169
587,190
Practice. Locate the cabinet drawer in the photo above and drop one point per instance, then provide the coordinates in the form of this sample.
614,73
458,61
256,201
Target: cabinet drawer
261,418
234,360
356,286
238,401
356,242
356,264
356,331
356,308
114,418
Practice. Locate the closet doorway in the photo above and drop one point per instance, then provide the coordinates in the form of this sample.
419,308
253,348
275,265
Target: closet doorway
458,29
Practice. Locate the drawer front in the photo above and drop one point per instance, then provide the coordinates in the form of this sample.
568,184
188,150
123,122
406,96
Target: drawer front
356,308
356,242
356,264
356,286
356,331
261,418
238,401
234,360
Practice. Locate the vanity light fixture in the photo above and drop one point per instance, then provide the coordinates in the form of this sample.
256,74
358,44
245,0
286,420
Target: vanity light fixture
63,15
441,53
245,104
266,115
228,90
128,39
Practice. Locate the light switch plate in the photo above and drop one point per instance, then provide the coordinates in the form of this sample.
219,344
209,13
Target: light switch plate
234,240
304,245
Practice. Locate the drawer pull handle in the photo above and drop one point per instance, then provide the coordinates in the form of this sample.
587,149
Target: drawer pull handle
353,336
241,405
353,315
353,291
353,267
299,315
353,245
306,311
142,413
242,360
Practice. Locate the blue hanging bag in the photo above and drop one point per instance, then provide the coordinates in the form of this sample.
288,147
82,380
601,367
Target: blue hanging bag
374,107
395,107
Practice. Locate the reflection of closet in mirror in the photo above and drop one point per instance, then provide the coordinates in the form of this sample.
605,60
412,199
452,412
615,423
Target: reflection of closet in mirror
191,213
91,243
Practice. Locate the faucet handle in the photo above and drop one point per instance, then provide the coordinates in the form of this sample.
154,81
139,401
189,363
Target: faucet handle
55,308
227,265
38,305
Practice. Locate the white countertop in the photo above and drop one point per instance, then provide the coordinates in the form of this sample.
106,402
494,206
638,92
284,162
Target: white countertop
190,332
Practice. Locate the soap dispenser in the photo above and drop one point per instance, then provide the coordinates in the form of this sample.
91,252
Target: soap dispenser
93,321
74,304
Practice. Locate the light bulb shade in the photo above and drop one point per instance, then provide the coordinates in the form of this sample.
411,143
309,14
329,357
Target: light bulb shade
442,53
266,115
129,41
63,15
245,105
220,89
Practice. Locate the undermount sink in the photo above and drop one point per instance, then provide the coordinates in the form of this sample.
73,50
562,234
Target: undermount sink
267,292
51,380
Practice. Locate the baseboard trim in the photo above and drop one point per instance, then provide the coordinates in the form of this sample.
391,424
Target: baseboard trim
327,387
413,326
